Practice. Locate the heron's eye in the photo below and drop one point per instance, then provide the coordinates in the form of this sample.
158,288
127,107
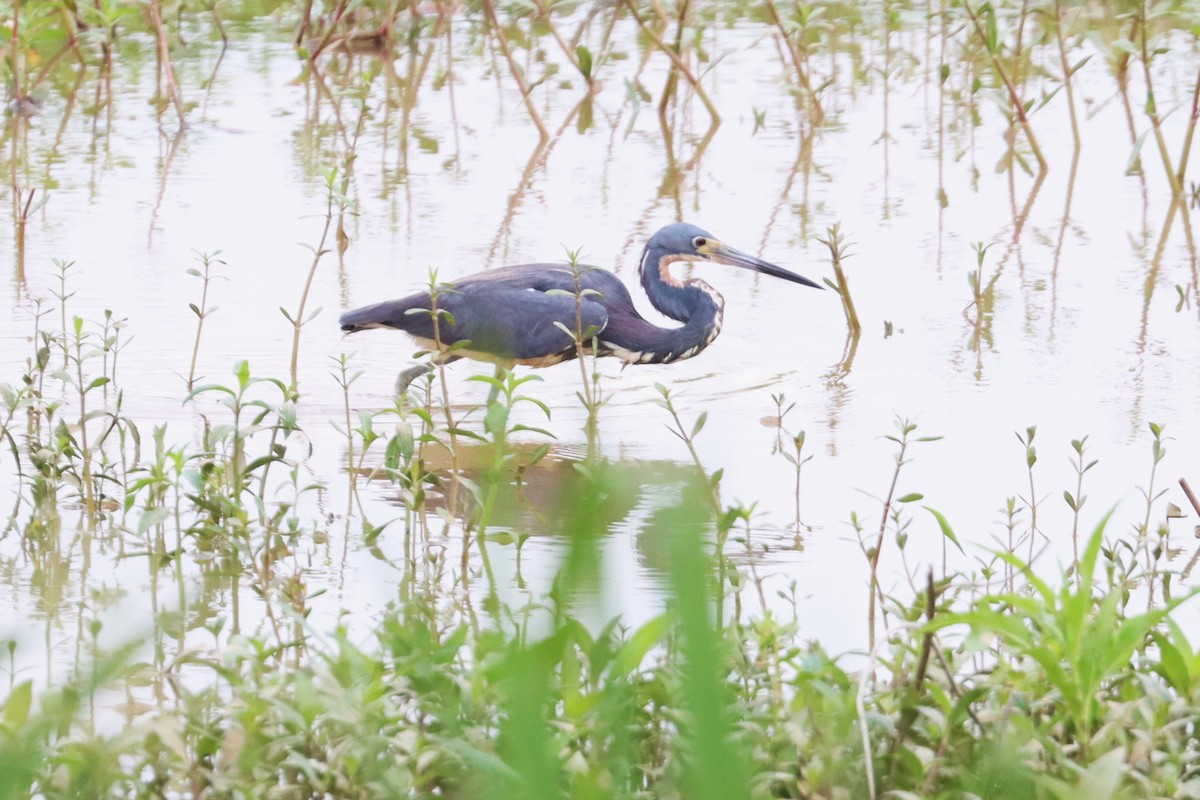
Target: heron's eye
699,242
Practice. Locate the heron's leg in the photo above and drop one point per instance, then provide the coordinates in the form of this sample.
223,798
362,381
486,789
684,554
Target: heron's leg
495,392
405,378
409,375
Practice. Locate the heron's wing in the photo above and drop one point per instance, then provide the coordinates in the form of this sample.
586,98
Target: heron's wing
510,316
599,284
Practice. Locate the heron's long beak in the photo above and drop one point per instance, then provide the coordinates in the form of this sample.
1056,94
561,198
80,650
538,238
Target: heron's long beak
736,258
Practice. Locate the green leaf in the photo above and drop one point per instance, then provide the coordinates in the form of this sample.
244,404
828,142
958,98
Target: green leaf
911,497
150,518
635,648
1135,154
585,61
16,707
496,419
1172,664
1078,65
947,531
1103,777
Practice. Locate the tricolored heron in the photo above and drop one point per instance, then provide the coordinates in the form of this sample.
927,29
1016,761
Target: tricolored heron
517,315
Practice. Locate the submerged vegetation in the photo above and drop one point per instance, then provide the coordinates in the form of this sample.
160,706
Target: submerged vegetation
981,672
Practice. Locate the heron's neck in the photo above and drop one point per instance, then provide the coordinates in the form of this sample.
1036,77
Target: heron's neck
684,301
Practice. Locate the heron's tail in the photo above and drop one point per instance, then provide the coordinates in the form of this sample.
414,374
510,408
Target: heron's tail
390,314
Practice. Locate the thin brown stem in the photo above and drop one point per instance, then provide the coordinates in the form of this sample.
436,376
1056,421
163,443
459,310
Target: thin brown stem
1066,68
801,74
1014,98
164,55
676,61
518,75
1152,109
1191,132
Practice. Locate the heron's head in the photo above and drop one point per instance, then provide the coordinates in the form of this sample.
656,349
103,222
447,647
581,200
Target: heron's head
691,242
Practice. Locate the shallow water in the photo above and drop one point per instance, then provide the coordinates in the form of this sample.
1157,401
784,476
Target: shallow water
1084,337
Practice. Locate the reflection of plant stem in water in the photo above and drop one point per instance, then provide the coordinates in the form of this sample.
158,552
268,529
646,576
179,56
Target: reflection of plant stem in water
496,424
1058,245
165,172
1178,205
211,81
675,173
982,302
450,81
835,383
804,153
537,160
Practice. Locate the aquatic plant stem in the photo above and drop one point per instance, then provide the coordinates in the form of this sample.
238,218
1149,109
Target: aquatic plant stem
1152,108
905,429
1067,71
16,52
305,22
801,74
319,251
518,75
164,55
85,451
201,311
590,394
1191,496
1014,98
837,245
329,32
571,55
677,61
1190,134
